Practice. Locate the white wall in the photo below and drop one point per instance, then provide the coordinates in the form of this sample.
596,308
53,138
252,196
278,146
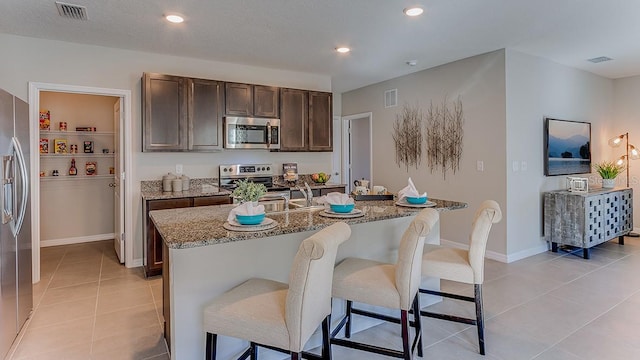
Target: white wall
27,59
537,88
626,95
79,207
480,82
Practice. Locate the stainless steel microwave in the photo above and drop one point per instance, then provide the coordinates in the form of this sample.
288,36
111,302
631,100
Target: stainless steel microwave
251,133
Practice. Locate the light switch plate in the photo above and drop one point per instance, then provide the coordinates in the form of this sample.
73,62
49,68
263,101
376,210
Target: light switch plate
523,165
179,169
480,165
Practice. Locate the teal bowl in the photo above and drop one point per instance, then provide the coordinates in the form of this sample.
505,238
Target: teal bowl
416,200
249,219
346,208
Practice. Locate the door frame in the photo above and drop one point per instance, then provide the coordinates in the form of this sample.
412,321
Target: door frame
34,124
346,146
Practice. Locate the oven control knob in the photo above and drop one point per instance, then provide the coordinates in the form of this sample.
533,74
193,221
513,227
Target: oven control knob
268,168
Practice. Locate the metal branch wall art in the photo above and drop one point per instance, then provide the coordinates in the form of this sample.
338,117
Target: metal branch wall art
444,136
407,137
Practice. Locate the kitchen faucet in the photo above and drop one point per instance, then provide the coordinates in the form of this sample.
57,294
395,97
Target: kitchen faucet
308,195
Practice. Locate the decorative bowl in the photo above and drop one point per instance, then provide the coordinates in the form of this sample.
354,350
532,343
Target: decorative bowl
346,208
249,219
416,200
320,180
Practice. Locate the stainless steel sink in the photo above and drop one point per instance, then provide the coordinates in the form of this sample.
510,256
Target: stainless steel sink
271,206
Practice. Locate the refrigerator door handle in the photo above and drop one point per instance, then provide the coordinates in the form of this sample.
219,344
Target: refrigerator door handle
6,190
24,176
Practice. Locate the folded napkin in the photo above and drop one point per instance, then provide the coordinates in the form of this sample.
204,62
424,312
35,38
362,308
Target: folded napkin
410,191
248,208
335,198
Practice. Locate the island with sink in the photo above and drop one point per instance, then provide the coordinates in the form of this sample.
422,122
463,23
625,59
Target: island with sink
202,259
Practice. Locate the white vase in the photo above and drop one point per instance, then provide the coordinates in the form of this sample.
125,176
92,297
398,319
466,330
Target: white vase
608,183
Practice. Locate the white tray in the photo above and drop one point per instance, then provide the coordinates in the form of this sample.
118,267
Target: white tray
332,214
425,205
266,224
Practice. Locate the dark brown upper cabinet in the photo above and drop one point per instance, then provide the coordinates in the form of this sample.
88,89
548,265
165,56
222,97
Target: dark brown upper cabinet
320,121
181,114
294,110
164,114
251,100
305,120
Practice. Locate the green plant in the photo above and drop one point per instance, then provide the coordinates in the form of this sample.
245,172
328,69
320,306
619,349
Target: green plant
249,191
608,169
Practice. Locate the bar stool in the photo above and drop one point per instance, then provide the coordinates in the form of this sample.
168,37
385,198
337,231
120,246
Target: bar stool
392,286
463,266
278,316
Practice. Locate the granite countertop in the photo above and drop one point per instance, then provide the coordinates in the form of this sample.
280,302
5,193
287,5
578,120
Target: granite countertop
202,226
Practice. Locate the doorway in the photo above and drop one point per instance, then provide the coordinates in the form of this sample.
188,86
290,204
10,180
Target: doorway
357,143
121,135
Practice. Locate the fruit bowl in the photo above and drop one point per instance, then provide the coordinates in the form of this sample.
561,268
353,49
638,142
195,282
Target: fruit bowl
250,219
346,208
416,200
320,178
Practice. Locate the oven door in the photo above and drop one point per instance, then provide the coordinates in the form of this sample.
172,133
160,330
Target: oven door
252,133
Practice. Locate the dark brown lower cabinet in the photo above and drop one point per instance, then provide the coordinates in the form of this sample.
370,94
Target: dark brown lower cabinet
153,242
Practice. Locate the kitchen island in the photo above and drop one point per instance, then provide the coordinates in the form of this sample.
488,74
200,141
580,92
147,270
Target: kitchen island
202,260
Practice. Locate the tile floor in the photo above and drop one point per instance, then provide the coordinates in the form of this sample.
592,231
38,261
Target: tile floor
546,307
89,306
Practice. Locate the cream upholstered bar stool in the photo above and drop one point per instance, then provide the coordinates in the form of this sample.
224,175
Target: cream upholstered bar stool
392,286
463,266
278,316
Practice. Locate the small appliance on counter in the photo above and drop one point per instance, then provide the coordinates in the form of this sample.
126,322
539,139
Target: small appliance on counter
290,172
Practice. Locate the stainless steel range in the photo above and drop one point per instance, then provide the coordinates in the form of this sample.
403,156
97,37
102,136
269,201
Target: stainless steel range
257,173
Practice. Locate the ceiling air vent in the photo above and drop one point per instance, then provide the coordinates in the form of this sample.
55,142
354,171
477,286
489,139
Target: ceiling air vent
599,59
72,11
391,98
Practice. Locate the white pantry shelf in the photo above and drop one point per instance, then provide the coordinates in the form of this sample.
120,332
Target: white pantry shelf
78,155
75,177
75,133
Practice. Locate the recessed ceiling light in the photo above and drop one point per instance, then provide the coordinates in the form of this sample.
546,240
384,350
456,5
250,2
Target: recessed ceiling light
413,11
174,18
343,49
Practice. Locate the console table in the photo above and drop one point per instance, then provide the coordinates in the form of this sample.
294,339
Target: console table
587,219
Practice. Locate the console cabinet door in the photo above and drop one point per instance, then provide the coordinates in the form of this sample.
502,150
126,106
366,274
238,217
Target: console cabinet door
211,200
239,99
320,121
293,120
205,114
165,113
154,243
266,101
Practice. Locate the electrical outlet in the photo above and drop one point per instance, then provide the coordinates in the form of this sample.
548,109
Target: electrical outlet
523,165
179,169
480,165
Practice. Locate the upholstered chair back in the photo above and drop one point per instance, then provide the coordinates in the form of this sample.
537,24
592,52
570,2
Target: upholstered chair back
310,281
488,214
409,266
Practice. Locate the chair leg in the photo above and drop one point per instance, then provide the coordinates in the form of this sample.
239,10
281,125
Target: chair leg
210,351
418,322
326,344
347,327
404,322
296,356
479,316
253,351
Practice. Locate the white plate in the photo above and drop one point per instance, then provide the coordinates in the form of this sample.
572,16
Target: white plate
406,204
352,212
266,224
331,214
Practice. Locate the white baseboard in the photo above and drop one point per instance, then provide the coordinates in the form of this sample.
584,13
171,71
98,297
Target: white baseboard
499,256
76,240
137,262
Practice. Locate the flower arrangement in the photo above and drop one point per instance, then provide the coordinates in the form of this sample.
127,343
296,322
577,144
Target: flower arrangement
249,191
608,169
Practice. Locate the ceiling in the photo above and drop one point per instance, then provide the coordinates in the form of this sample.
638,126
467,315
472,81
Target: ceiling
301,35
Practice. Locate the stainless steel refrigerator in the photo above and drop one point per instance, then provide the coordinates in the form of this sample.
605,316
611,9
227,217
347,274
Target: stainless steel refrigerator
16,291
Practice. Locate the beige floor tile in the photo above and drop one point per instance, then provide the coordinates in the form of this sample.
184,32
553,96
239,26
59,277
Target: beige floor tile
70,293
125,321
164,356
91,266
122,283
592,343
73,352
120,300
63,312
555,353
112,270
55,338
454,348
73,278
512,290
144,343
505,342
156,290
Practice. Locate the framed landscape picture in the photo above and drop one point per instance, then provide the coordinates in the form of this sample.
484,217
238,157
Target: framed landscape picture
567,147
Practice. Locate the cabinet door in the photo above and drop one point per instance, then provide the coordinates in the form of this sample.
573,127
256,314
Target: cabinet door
325,191
154,243
165,113
320,121
266,101
293,120
626,211
211,200
239,99
205,115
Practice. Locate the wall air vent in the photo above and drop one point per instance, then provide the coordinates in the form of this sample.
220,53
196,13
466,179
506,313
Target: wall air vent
599,59
391,98
71,11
